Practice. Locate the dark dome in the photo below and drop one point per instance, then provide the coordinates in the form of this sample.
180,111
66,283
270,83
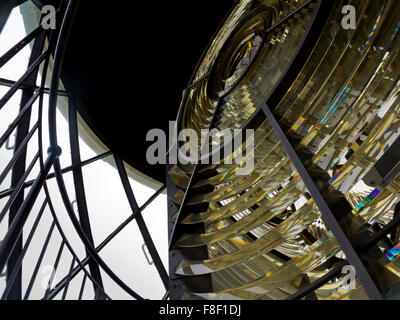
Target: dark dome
127,66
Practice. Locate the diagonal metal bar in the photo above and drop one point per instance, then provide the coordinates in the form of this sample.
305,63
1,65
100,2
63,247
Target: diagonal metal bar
74,255
166,296
20,45
80,191
141,223
5,10
39,261
304,284
83,237
336,271
319,19
19,82
27,184
19,153
64,295
19,219
17,190
122,226
55,267
24,85
18,162
328,217
20,116
26,40
82,287
14,273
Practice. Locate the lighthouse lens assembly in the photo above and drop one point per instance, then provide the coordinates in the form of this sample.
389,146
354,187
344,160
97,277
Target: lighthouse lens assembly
323,101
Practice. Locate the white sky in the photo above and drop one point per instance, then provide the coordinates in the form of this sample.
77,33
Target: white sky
107,203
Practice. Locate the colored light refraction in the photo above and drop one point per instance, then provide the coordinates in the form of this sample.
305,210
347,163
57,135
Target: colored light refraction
395,252
337,102
339,293
298,124
366,201
367,43
310,249
396,31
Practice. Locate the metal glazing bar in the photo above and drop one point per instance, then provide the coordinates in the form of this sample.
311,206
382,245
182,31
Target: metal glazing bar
18,187
39,261
55,267
19,82
141,223
60,230
20,45
14,124
18,222
11,279
64,295
23,136
305,283
166,296
18,153
10,83
8,192
85,261
82,286
82,235
80,190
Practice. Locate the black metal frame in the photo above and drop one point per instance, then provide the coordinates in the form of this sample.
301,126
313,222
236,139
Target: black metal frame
19,206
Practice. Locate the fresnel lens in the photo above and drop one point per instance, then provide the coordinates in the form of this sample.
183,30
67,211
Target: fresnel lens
323,101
